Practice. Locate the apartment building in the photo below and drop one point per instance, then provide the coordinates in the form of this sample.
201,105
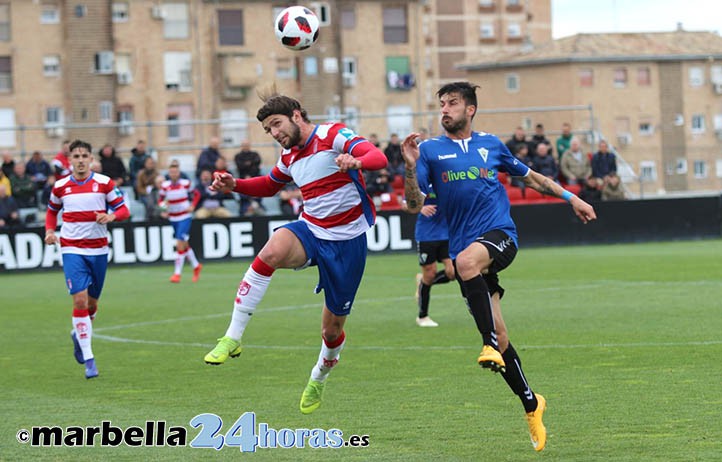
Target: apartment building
657,97
176,72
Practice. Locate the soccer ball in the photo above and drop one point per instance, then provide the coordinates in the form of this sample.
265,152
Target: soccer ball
296,27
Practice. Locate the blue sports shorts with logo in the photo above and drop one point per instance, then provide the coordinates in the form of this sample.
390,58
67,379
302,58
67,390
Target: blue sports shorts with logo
182,229
85,272
340,266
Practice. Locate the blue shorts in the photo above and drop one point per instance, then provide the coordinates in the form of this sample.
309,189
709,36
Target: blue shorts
85,272
182,229
340,266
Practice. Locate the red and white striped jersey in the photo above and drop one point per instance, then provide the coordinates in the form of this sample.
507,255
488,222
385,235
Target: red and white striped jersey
80,200
335,204
62,165
176,195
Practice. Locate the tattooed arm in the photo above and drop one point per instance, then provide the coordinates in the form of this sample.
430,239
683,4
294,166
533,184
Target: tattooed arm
410,153
546,185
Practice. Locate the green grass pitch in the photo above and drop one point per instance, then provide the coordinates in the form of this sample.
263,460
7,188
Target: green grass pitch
624,341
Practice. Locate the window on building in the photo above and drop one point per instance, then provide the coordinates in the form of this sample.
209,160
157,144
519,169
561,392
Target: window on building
718,124
718,167
54,116
348,16
7,120
700,169
234,126
698,123
513,30
177,71
176,114
122,69
323,13
81,11
310,65
104,62
330,65
696,76
349,71
399,120
620,77
644,77
120,11
230,27
398,73
647,170
105,112
512,83
6,74
395,26
586,77
49,13
286,68
486,30
715,74
175,22
333,113
125,119
646,127
680,166
51,65
4,22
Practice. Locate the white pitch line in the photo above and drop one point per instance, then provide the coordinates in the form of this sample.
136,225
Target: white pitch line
420,348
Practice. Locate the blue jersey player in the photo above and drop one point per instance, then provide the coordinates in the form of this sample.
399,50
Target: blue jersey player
432,247
463,168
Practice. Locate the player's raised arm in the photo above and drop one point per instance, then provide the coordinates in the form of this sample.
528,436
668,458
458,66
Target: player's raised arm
410,153
545,185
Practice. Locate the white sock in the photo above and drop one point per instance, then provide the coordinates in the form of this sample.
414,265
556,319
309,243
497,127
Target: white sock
179,259
84,333
327,359
191,256
250,292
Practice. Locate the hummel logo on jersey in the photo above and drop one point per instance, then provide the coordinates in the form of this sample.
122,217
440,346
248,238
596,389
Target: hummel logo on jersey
484,153
347,133
447,156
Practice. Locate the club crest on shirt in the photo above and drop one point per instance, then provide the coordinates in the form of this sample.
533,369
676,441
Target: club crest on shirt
67,190
95,187
484,153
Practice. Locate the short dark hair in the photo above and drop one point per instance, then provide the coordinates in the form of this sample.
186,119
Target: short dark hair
280,104
80,144
467,91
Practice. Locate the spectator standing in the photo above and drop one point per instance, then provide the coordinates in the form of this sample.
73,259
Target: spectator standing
8,209
565,140
145,181
576,166
111,165
23,187
393,155
544,163
209,156
8,164
137,161
248,165
61,162
210,202
604,162
518,139
540,138
39,170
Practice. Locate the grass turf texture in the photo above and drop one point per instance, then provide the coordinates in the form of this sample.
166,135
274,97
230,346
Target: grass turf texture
624,341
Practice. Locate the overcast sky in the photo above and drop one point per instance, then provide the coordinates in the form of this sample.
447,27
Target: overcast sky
571,17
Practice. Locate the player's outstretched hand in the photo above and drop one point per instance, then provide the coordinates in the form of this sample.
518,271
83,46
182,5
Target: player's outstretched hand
223,182
51,238
347,162
410,150
583,210
428,210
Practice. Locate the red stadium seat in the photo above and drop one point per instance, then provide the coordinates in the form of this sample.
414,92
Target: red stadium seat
398,182
533,194
514,193
390,201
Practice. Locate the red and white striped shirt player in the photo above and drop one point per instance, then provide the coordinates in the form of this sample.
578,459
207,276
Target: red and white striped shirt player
175,194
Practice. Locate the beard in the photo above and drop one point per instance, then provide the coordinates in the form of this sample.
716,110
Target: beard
294,138
453,126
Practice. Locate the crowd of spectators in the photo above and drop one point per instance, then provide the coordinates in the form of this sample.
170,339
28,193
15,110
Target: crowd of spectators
27,185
